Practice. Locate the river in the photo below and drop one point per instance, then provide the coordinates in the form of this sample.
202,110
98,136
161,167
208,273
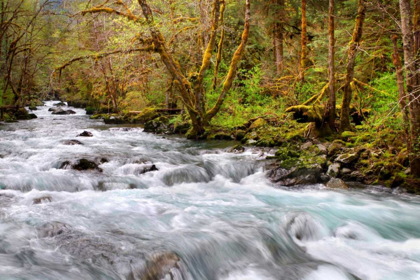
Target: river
203,214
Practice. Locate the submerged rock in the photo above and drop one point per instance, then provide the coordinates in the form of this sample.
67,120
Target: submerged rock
237,149
72,142
84,164
159,266
52,229
60,111
85,134
43,199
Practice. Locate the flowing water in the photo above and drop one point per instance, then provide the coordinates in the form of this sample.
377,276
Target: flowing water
204,214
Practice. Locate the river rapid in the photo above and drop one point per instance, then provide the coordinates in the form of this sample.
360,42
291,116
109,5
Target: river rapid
204,213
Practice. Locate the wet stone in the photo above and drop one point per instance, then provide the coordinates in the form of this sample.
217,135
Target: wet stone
85,134
43,199
52,229
72,142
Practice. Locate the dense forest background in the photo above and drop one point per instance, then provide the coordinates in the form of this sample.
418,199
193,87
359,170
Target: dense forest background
341,66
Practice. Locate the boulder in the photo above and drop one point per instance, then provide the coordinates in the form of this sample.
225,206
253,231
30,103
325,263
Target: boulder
52,229
158,266
258,123
85,164
59,104
335,183
306,146
347,158
60,111
43,199
334,148
149,168
159,125
334,169
237,149
33,108
345,171
71,142
85,134
322,149
53,109
296,175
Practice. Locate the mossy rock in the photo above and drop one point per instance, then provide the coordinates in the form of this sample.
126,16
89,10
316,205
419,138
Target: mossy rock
99,116
90,110
182,128
335,147
146,115
258,123
22,114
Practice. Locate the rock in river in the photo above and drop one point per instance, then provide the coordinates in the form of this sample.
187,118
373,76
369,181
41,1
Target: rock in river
85,134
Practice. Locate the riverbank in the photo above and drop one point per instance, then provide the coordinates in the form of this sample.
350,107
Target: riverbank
362,157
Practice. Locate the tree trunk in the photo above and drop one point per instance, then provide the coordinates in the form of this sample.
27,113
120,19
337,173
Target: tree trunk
278,40
416,26
331,68
401,90
412,81
302,64
351,60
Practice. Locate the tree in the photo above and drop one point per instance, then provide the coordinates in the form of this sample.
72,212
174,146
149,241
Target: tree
302,64
191,89
278,35
412,80
331,68
351,61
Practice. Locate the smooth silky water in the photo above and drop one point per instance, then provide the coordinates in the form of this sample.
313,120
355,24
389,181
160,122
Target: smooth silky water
213,209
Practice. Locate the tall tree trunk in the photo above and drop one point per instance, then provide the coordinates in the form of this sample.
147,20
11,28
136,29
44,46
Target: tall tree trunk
331,68
303,42
416,26
278,39
401,90
351,60
411,66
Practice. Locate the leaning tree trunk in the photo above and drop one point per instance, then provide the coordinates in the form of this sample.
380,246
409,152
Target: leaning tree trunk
331,67
302,64
412,80
351,61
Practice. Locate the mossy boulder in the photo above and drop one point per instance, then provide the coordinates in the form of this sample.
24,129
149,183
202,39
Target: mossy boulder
258,123
181,127
335,147
146,115
159,125
90,110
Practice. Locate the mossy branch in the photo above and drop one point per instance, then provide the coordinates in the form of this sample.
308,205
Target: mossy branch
102,55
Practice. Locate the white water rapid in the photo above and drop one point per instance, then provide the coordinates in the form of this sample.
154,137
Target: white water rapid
198,213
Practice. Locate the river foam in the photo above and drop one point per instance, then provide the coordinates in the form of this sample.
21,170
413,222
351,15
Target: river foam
203,214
